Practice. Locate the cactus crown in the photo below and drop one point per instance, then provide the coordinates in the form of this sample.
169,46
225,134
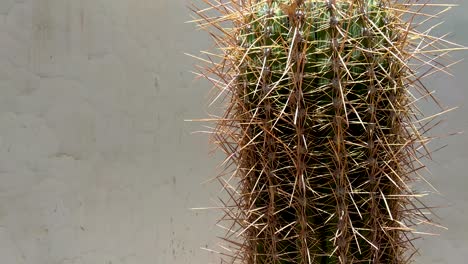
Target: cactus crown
321,127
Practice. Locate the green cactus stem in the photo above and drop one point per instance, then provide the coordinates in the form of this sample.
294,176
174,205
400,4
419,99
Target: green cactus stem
321,127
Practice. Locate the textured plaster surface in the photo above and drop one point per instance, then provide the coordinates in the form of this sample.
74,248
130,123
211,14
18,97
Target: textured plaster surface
96,163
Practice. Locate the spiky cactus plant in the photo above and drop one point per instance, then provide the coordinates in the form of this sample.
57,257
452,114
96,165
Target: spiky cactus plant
321,126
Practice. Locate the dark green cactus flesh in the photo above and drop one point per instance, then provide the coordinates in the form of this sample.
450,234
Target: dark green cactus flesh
321,128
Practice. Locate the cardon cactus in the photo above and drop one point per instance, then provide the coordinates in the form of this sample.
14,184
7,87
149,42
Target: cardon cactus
321,126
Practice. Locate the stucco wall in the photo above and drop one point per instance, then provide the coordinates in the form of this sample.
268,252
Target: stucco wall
97,165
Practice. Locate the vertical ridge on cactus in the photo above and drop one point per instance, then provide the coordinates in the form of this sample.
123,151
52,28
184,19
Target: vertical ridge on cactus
321,126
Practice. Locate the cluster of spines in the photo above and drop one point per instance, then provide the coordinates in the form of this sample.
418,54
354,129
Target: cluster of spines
321,129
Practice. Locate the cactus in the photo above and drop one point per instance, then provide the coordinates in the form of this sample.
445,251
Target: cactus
321,126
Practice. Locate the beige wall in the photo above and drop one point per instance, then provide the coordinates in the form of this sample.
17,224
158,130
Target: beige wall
96,163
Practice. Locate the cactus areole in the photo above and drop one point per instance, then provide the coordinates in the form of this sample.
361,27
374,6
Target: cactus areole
320,126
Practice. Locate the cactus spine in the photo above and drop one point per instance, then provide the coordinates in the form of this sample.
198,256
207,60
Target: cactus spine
321,127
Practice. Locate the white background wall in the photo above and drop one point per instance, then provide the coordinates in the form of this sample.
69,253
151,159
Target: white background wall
96,163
